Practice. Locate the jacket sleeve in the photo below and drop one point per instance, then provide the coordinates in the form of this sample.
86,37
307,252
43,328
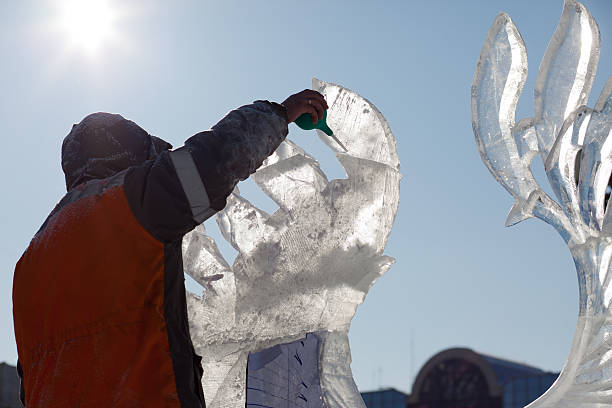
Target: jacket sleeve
178,190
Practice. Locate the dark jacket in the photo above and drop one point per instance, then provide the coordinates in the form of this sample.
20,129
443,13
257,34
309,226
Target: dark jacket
98,297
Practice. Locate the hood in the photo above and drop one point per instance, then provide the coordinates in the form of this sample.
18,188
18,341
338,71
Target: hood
104,144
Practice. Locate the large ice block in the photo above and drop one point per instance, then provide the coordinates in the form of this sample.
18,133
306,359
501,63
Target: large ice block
301,272
575,145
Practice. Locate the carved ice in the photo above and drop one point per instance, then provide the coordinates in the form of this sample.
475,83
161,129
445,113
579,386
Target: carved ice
575,145
301,272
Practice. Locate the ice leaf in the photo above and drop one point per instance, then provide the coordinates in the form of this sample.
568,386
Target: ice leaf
603,113
351,115
498,82
292,182
566,73
520,211
286,150
201,257
562,164
372,188
243,225
596,168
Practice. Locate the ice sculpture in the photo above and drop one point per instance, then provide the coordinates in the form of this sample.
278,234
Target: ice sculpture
575,145
301,272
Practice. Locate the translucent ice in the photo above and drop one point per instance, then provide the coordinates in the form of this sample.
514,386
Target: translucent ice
301,272
575,145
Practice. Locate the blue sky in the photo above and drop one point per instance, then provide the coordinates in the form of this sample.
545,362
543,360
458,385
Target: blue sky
461,278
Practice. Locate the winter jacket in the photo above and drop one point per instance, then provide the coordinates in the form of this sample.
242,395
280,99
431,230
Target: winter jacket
98,296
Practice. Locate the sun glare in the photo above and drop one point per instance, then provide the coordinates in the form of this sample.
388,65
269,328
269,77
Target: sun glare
87,23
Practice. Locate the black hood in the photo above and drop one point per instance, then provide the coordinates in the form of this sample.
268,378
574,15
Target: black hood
104,144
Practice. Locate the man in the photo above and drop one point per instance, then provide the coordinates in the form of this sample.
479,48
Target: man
98,297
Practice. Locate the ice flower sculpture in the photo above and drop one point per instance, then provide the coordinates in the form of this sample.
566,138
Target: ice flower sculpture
575,145
301,272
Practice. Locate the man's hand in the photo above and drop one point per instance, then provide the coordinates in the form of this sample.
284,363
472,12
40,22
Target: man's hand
307,101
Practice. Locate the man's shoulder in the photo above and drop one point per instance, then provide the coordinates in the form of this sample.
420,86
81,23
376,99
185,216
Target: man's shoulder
85,190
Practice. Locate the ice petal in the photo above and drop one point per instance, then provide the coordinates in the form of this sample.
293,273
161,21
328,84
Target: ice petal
566,73
358,124
498,82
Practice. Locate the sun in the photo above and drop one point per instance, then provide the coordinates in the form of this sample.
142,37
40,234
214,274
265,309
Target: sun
87,24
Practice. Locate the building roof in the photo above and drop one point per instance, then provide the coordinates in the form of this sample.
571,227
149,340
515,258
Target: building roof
496,371
506,370
389,389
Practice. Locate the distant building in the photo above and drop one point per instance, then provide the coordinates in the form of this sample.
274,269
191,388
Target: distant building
9,387
462,378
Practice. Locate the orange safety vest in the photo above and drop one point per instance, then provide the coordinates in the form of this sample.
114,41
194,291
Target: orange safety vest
99,309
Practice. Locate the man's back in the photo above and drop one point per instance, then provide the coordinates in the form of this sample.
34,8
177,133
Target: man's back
97,283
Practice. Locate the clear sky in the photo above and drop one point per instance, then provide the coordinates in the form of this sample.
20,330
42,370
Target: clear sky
175,68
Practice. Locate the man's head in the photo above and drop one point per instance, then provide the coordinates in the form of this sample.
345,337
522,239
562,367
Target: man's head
104,144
